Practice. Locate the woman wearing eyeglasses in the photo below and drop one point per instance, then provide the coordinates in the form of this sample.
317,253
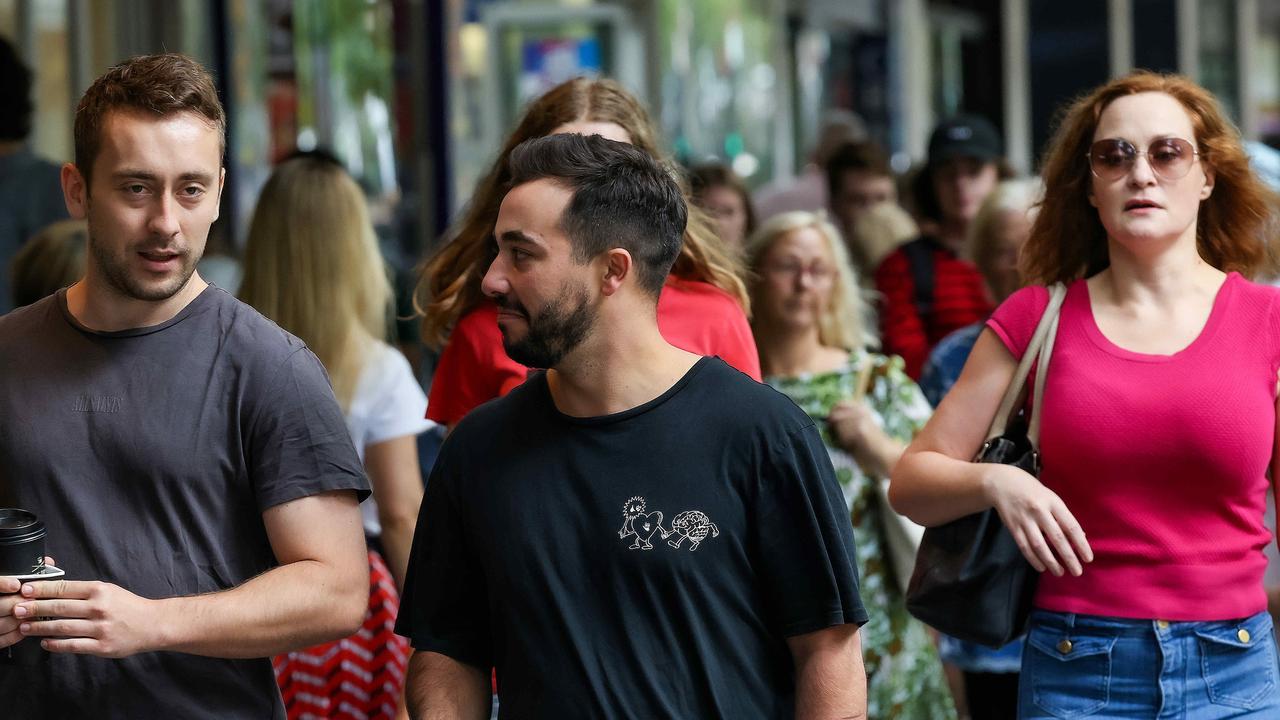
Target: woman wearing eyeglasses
1159,418
813,333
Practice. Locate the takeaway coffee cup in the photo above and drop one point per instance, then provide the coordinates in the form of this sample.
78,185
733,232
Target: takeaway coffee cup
22,551
21,542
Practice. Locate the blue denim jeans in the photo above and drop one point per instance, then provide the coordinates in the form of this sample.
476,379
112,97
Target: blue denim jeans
1085,666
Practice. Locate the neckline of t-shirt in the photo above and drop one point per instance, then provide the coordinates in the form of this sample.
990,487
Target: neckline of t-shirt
599,420
1206,332
186,312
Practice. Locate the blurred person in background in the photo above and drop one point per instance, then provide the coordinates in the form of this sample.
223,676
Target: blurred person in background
995,238
858,179
808,190
48,262
30,188
1159,429
312,264
721,193
876,234
702,308
990,677
928,289
815,343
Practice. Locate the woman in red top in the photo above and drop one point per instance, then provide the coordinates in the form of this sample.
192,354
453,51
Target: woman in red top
702,309
1159,417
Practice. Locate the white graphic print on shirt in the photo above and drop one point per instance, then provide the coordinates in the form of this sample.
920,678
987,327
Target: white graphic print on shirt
691,525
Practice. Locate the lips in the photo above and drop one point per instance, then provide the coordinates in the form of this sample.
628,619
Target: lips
1141,204
159,260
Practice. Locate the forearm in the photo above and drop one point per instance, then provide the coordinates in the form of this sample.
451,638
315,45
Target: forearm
438,687
831,683
297,605
397,540
879,454
932,488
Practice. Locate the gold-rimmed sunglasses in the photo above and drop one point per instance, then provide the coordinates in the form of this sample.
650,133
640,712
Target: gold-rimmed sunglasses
1170,158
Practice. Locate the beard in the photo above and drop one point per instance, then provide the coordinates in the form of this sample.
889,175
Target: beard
115,270
556,331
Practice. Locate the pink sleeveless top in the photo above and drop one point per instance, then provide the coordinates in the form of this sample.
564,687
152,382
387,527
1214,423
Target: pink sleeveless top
1162,458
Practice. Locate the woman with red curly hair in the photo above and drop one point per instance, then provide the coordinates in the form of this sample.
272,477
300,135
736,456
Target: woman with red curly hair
1159,417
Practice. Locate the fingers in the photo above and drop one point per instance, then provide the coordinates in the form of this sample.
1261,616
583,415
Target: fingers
1036,550
61,627
78,646
60,608
9,585
50,561
1075,533
75,589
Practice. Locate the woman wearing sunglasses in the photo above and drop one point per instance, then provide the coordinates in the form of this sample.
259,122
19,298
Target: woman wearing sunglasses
1159,418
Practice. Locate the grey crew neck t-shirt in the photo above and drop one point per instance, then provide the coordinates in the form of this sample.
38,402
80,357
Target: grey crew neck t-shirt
150,455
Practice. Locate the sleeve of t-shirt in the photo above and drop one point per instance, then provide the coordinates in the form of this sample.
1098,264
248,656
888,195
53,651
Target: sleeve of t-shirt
444,607
473,369
402,406
1014,322
902,328
298,443
806,555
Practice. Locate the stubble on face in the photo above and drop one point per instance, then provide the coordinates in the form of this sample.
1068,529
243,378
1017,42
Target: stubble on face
553,333
116,272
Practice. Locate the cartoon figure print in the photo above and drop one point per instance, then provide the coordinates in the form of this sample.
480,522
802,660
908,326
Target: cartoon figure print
693,525
637,522
643,525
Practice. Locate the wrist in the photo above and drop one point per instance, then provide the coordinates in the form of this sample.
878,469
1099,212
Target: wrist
164,627
988,482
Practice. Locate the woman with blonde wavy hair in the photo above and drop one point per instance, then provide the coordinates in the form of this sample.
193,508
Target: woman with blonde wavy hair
1158,426
313,266
701,309
814,336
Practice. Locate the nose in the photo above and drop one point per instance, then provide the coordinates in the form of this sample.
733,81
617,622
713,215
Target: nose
1142,173
494,283
164,219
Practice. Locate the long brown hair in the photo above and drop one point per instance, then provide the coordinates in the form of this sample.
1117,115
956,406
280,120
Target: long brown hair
1068,240
449,281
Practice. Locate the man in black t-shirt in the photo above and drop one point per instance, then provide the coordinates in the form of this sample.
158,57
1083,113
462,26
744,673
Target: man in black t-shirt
636,532
186,455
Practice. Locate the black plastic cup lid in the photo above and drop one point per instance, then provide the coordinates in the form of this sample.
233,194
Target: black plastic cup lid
17,525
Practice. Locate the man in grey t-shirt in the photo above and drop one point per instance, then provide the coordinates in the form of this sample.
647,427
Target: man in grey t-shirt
187,456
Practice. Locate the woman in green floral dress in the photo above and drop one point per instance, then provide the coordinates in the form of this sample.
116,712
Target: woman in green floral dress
812,334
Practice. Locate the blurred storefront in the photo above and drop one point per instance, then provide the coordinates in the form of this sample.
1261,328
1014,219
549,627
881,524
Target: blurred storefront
416,95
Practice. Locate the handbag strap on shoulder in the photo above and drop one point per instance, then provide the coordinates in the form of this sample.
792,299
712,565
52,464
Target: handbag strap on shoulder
1013,394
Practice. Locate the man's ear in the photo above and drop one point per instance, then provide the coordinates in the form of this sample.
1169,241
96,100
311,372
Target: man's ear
75,191
222,180
618,265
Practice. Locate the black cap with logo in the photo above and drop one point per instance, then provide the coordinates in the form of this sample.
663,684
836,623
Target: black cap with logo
964,136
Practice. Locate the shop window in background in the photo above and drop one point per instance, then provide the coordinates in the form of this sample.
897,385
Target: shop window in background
1219,53
1264,78
502,54
720,89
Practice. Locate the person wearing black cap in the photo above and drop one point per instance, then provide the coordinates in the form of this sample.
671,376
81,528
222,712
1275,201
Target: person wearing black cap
928,289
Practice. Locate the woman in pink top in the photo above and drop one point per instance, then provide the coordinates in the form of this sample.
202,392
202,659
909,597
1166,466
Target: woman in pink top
1159,420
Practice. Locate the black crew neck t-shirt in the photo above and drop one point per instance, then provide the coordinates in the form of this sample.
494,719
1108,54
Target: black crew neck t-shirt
645,564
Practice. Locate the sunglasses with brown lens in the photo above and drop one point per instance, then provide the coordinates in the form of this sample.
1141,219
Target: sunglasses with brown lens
1170,158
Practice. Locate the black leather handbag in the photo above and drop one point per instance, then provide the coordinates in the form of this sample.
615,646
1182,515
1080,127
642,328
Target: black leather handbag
970,579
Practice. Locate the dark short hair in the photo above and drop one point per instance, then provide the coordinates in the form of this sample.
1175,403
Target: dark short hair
865,157
15,88
622,198
159,85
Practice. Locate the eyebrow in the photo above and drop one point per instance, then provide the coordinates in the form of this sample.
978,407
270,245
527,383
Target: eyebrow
134,174
517,236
